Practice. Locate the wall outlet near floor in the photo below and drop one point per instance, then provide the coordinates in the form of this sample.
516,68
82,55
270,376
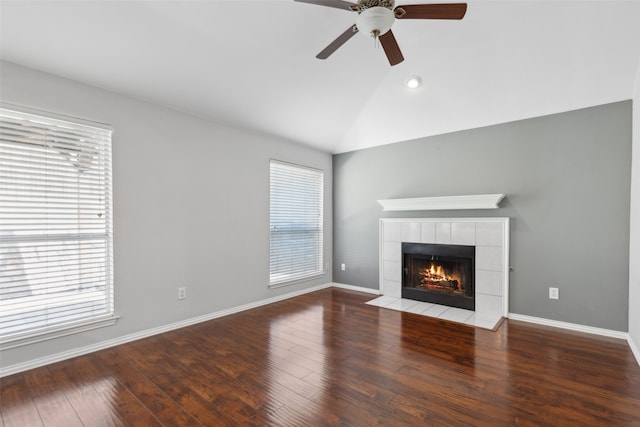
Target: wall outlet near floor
553,293
343,267
182,292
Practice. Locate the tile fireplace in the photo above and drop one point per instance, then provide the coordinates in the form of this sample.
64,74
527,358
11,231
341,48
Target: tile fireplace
484,242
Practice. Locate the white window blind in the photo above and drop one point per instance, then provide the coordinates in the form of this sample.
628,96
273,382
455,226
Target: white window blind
296,235
55,225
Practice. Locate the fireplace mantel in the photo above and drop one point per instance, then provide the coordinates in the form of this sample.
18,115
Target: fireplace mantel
479,201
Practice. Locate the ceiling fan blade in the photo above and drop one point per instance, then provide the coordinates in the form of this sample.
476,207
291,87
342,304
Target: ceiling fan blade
391,48
334,45
432,11
338,4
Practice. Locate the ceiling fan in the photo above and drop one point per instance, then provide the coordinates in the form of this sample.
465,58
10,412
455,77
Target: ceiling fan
375,17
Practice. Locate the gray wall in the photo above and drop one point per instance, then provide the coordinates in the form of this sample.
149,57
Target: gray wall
567,181
191,208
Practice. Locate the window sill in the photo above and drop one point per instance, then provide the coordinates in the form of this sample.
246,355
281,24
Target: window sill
295,281
26,339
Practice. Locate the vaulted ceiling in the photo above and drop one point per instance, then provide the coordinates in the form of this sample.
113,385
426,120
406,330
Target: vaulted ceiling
252,63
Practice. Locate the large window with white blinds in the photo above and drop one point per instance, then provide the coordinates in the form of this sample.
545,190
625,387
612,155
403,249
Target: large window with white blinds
56,271
296,227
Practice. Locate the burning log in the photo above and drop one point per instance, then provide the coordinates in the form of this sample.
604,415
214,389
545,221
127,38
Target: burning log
434,278
448,285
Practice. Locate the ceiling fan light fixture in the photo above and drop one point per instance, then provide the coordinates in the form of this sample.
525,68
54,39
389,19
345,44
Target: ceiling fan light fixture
375,21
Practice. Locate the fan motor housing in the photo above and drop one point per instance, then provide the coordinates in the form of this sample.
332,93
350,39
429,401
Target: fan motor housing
368,4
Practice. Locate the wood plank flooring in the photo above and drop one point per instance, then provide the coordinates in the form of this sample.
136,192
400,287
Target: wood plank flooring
326,358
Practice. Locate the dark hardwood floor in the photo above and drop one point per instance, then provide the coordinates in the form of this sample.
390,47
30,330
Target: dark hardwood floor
326,358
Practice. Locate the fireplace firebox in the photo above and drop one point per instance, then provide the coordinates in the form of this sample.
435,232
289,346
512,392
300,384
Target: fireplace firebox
440,274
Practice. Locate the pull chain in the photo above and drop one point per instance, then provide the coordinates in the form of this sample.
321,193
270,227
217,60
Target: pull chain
376,36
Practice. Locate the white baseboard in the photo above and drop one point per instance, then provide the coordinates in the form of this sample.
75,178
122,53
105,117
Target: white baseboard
571,326
634,349
356,288
58,357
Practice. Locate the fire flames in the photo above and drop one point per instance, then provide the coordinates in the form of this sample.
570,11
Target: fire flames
434,278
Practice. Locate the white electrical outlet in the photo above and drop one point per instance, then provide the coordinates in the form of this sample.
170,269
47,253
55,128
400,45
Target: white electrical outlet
343,267
553,293
182,292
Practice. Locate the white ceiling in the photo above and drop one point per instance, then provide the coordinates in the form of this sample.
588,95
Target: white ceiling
252,63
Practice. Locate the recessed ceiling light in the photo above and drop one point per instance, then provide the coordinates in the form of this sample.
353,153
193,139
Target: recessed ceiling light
414,82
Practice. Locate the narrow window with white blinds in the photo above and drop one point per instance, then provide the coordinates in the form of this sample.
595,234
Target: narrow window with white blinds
56,270
296,226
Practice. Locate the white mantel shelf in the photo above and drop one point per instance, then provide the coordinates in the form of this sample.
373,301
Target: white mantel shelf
479,201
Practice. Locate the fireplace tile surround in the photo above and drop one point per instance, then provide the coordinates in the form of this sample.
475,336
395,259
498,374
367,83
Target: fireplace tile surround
490,236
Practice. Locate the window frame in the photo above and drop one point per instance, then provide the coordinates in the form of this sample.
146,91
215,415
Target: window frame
318,270
107,316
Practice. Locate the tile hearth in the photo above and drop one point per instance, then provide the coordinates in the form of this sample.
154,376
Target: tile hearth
438,311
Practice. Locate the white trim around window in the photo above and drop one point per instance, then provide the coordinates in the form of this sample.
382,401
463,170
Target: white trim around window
296,223
56,238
